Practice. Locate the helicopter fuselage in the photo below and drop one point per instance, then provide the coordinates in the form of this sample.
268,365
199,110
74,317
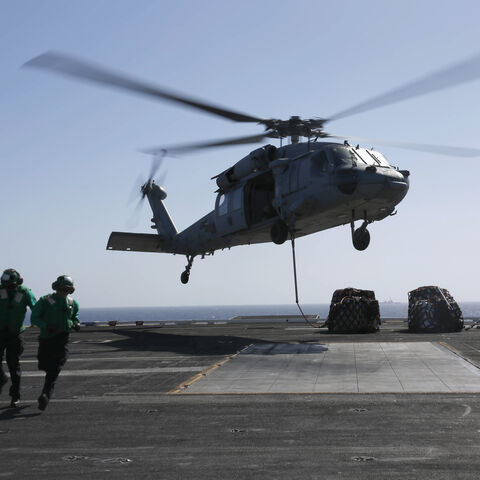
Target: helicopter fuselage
297,189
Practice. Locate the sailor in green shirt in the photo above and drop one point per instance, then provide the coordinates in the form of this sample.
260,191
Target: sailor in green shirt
56,315
14,299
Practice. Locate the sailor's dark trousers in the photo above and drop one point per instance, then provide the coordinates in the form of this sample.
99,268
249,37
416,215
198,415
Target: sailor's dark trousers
12,346
52,355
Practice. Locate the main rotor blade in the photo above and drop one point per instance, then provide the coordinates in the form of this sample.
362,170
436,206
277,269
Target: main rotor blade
214,143
76,68
461,72
438,149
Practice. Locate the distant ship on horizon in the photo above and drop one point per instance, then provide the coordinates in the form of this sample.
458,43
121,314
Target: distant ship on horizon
389,301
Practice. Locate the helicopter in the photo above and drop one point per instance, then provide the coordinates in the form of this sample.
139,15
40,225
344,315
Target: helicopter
274,192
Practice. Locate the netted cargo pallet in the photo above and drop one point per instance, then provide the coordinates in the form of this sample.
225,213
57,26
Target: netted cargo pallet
433,309
352,311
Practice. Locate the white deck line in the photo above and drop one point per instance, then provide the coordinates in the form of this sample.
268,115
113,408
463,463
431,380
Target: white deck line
119,371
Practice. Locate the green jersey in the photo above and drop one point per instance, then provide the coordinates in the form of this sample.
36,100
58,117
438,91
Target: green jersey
54,315
13,306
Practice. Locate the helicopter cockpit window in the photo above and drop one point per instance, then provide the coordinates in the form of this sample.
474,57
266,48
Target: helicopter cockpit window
343,157
366,158
222,205
319,163
380,158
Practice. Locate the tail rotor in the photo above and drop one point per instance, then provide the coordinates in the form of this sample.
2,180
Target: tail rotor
144,187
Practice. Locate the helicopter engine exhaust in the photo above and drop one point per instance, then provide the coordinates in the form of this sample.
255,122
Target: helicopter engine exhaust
256,160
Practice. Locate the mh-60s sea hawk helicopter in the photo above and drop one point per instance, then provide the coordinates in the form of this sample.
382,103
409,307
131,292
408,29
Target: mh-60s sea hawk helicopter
275,192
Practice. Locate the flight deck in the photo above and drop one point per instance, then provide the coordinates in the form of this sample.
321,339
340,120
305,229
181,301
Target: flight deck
274,399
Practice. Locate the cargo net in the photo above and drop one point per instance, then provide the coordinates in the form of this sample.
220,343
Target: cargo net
433,309
353,311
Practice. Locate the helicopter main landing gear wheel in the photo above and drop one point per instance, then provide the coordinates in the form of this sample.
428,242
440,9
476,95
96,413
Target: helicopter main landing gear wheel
279,232
185,276
360,236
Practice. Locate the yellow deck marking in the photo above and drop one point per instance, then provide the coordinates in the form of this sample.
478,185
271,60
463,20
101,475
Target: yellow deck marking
448,347
184,385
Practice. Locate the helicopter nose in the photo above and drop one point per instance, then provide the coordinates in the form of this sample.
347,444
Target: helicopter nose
396,187
390,184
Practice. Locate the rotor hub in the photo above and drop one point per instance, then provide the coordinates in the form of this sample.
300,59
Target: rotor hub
295,126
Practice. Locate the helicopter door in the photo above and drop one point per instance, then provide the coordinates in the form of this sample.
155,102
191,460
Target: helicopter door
260,192
229,211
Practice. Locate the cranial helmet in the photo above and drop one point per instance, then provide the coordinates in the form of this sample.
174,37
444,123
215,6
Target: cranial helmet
11,278
65,283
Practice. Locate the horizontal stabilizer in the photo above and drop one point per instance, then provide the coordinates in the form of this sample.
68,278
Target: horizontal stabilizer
135,242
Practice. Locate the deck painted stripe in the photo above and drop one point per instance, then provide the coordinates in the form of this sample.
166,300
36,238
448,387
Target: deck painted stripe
118,371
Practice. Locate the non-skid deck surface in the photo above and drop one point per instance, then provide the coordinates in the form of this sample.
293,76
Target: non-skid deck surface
341,368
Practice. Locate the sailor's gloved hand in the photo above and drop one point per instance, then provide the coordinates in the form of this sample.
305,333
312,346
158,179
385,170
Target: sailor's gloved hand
76,327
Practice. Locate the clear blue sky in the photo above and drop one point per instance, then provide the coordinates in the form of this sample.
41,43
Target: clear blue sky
69,150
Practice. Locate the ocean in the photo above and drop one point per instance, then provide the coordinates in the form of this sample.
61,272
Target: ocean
226,312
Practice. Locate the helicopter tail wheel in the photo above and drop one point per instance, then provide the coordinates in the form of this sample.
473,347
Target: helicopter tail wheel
185,276
361,238
279,232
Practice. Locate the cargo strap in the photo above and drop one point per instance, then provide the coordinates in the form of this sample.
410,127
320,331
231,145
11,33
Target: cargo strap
292,234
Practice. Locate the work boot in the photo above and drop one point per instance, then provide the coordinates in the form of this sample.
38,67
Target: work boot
43,401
